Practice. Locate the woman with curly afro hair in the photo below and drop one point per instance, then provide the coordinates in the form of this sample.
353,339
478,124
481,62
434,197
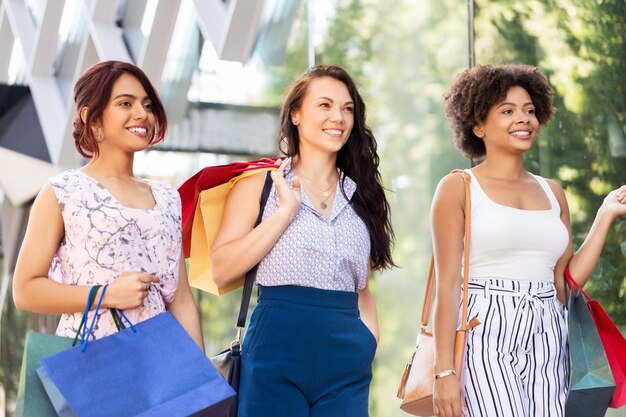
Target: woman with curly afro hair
516,359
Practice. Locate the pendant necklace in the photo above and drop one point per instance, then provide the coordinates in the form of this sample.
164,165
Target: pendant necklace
325,193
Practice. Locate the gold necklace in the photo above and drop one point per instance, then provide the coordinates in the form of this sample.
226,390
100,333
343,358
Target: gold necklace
325,193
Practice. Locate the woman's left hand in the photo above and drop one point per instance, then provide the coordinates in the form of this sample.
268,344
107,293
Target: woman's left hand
615,202
289,198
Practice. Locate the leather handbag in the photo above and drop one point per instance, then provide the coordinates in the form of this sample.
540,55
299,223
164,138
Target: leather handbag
416,383
228,362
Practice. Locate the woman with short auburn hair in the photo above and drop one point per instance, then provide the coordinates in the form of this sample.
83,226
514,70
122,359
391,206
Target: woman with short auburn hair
100,224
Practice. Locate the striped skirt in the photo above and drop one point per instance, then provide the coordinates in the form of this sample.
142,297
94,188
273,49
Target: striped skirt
516,360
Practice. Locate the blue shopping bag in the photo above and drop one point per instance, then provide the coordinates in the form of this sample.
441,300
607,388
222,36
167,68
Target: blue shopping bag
152,369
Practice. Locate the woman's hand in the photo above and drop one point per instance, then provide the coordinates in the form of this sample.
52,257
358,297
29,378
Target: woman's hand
289,199
448,398
128,290
584,261
615,202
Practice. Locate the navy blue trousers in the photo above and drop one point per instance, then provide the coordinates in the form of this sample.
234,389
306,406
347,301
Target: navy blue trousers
306,354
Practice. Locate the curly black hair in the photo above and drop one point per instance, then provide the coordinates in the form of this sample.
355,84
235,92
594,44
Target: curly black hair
477,89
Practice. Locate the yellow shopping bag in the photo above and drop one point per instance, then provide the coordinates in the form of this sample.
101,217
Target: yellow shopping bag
206,222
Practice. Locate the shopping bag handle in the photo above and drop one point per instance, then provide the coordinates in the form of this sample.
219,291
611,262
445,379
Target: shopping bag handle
116,313
85,337
90,299
573,284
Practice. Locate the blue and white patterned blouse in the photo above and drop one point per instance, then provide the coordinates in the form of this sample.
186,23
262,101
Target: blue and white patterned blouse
330,254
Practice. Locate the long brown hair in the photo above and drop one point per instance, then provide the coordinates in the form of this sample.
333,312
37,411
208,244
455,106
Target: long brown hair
93,90
357,159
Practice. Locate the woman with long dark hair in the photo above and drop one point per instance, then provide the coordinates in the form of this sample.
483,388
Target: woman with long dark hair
326,226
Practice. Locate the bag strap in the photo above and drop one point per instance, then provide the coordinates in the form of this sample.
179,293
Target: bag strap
85,336
118,315
82,327
573,285
430,284
90,299
251,275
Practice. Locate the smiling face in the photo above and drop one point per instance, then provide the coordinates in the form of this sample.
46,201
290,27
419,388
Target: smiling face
127,121
326,116
511,125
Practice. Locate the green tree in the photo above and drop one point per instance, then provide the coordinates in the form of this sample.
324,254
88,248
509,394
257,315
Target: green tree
580,45
402,58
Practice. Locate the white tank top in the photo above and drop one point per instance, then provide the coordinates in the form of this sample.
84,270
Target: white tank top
511,243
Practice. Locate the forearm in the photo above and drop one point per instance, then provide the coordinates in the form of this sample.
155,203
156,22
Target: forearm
584,261
42,295
367,310
233,259
444,325
185,311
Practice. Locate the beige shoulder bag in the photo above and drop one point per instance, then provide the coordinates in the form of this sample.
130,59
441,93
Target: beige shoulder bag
416,384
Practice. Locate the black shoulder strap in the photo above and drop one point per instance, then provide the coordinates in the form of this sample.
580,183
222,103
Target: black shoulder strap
251,275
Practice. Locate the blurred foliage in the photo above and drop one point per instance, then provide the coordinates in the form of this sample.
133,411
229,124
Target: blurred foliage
581,46
403,55
402,58
14,324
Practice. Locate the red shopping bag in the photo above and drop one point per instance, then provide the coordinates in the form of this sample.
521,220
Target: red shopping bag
613,342
205,179
203,199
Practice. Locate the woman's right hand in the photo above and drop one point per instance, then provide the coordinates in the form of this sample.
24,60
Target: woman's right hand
128,290
448,398
289,198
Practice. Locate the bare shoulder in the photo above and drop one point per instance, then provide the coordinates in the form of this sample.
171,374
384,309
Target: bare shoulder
249,188
555,187
244,199
241,209
447,210
559,193
46,214
450,189
46,199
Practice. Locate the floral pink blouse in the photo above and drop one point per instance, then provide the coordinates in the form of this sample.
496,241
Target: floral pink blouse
104,238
